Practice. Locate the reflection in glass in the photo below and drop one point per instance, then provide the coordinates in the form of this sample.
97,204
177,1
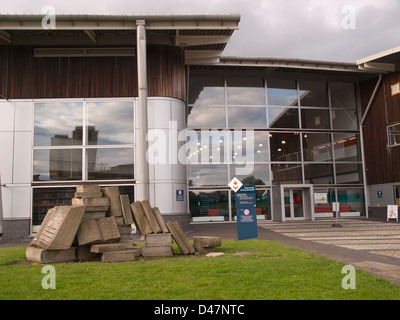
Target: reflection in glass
263,205
323,200
349,173
352,202
47,198
317,147
313,94
57,165
246,91
343,95
315,119
286,173
282,92
248,117
110,123
318,173
258,176
110,164
58,123
206,91
283,117
207,146
206,117
285,147
209,205
208,175
347,147
344,119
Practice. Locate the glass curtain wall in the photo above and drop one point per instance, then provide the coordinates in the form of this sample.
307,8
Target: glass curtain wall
80,141
273,131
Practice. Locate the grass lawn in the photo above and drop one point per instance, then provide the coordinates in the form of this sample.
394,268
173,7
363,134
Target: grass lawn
272,272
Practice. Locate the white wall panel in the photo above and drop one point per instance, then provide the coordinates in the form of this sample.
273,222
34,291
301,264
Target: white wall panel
23,116
23,157
6,158
6,116
6,196
21,202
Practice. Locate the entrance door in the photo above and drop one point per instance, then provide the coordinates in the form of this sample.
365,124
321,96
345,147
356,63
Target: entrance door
294,204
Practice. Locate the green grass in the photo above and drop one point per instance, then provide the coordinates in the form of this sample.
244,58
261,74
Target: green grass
272,272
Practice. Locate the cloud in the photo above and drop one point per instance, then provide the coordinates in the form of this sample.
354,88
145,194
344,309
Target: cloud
307,29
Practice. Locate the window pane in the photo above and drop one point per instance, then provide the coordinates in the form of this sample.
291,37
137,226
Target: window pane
206,117
282,92
110,123
209,205
347,147
110,164
286,173
58,123
207,147
206,91
283,118
57,165
317,147
349,173
246,91
323,200
47,198
285,147
315,119
259,175
344,119
263,205
352,202
208,175
318,173
313,94
394,135
343,95
250,117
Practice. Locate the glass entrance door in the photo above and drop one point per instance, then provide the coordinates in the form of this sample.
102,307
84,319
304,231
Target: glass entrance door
294,204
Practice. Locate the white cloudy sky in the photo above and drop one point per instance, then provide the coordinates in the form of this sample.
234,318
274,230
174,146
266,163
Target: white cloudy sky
306,29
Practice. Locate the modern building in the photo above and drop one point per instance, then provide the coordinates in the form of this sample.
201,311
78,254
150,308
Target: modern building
150,104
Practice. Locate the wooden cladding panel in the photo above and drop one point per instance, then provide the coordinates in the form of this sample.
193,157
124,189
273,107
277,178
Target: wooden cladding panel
24,77
382,162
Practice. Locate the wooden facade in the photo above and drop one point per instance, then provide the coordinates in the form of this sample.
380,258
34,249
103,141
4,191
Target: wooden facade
22,76
382,161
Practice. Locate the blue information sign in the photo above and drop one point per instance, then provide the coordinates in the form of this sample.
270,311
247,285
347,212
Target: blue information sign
246,213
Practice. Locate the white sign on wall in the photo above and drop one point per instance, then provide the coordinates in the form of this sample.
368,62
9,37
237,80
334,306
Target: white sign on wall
320,198
393,212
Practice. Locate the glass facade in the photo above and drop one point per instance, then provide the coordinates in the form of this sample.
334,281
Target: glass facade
80,141
277,131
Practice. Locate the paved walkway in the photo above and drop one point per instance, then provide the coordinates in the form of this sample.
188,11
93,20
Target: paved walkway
368,245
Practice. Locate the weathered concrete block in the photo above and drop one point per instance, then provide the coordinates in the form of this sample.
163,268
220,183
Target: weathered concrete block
203,244
40,255
119,256
115,202
160,220
47,218
61,228
120,221
109,229
156,250
140,219
89,233
150,216
159,239
108,247
88,194
91,202
180,237
88,189
83,253
94,215
126,209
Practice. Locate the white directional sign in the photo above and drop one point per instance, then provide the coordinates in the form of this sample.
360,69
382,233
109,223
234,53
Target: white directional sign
235,184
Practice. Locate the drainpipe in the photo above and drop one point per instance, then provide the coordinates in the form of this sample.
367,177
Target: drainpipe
371,100
142,93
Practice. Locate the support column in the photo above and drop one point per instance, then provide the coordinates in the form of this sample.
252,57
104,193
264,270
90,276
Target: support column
142,92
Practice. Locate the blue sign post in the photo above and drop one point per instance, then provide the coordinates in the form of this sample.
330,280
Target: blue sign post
246,213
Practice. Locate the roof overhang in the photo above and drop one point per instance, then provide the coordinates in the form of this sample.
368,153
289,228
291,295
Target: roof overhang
203,37
383,62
